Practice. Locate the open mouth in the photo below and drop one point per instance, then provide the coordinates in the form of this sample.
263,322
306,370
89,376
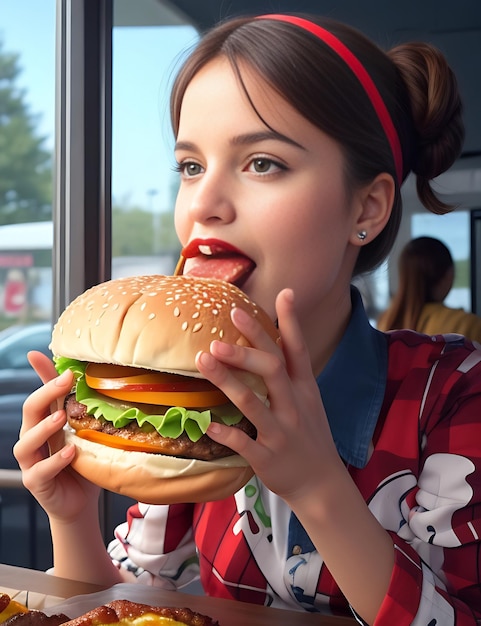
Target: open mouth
216,259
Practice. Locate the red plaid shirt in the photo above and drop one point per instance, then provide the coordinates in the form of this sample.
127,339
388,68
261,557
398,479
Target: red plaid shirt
421,479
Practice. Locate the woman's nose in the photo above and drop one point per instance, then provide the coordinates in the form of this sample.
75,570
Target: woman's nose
212,199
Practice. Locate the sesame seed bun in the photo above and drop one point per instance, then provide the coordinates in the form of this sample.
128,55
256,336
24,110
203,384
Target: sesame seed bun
158,323
155,478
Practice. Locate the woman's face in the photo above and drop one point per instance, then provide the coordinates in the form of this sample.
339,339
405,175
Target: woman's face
265,209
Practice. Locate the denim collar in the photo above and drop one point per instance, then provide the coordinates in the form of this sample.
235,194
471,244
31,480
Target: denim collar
353,383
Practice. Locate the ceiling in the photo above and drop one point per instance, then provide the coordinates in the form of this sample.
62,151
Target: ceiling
454,27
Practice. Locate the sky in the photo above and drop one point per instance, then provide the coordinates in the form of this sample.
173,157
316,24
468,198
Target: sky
143,62
27,27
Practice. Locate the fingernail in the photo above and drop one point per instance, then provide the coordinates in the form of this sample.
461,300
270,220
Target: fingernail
57,416
223,348
206,360
68,451
62,379
214,428
239,315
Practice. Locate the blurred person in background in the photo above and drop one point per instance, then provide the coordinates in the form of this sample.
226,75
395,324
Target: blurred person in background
426,276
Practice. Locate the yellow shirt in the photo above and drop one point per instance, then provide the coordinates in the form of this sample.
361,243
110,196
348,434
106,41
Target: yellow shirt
437,318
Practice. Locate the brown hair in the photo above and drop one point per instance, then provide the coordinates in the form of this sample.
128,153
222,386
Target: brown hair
422,265
319,84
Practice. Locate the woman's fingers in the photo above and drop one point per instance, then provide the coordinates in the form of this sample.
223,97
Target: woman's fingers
32,445
211,365
237,440
296,354
292,427
281,367
43,414
63,493
46,400
42,365
254,332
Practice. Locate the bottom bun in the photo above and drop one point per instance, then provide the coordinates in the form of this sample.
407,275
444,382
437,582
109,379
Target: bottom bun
155,478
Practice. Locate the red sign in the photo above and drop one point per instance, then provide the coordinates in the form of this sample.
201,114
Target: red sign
16,260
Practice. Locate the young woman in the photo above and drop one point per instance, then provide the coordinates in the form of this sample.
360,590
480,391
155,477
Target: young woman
293,137
426,276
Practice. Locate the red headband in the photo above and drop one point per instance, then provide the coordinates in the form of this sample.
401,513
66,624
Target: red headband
361,74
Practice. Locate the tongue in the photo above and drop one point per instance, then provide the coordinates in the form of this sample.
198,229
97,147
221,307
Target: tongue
230,268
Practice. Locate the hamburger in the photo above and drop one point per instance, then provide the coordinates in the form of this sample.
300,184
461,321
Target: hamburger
140,409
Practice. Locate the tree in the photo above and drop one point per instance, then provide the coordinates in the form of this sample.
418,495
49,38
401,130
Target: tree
25,165
135,232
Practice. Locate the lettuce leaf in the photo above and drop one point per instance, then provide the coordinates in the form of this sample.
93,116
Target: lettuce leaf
171,423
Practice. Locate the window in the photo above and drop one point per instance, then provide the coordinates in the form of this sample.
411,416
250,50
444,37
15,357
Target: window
453,229
27,123
27,80
147,47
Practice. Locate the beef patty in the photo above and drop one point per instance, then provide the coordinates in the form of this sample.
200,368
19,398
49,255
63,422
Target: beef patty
205,449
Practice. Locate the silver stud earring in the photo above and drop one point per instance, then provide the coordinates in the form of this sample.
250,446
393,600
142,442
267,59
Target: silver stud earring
362,234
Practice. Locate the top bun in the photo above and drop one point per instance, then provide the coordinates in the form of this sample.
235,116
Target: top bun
156,322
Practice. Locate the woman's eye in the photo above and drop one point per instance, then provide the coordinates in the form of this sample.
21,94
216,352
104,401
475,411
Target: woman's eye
189,168
263,165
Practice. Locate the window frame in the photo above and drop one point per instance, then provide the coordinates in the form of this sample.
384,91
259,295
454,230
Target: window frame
83,148
475,228
82,200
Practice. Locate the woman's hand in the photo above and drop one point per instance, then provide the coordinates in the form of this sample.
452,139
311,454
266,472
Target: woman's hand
294,454
59,490
294,446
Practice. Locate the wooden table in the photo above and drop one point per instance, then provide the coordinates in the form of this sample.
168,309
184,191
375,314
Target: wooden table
227,612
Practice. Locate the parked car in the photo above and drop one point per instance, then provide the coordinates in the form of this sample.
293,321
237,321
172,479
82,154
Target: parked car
16,374
10,422
17,380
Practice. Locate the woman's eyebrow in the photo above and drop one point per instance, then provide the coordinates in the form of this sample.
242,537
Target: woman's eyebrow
247,139
184,145
264,135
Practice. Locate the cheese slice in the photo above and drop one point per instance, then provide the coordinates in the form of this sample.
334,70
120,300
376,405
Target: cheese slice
148,619
13,608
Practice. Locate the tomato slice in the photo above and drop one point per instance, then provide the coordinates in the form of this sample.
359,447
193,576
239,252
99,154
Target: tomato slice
194,399
113,441
105,376
148,387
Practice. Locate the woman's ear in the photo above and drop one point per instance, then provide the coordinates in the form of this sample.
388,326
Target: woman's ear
373,209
